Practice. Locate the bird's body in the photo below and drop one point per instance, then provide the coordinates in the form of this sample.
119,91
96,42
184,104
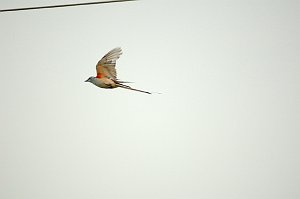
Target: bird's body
106,72
103,82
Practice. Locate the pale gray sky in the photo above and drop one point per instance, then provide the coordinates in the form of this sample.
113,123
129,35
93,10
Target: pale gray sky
226,125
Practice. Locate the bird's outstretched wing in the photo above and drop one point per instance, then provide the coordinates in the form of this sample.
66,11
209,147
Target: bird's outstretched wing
106,67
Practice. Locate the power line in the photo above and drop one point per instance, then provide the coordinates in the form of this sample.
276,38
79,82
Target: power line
64,5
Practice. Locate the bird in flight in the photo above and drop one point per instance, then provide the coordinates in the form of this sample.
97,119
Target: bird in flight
106,72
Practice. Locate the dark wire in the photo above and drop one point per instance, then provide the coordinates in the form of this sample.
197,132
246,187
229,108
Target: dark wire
64,5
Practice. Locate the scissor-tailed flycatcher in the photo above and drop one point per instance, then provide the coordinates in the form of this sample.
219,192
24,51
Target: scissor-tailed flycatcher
106,72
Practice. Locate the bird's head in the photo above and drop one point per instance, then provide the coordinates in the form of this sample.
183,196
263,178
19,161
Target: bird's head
90,79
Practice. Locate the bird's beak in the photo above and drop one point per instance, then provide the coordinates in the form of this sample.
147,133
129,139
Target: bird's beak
86,80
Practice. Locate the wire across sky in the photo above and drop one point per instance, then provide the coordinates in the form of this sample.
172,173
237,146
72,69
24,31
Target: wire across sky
62,5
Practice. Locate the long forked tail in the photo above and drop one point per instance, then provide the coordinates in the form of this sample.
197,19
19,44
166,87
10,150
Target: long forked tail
129,88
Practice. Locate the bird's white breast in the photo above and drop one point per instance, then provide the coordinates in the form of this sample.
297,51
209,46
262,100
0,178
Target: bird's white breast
104,83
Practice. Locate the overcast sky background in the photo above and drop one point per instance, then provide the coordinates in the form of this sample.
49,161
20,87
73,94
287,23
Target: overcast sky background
226,125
